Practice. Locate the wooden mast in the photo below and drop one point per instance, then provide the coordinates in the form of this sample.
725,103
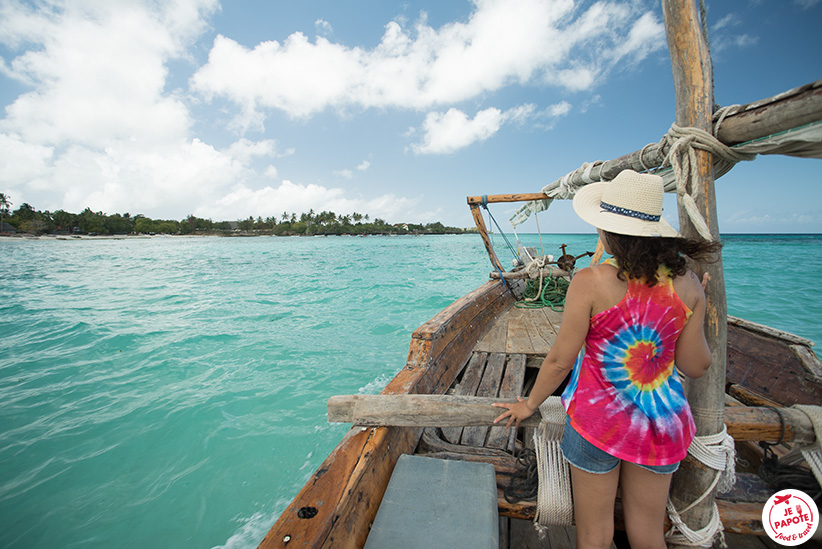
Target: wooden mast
693,84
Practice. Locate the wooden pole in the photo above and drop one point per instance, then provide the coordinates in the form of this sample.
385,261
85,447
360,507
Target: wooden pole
403,410
693,84
486,240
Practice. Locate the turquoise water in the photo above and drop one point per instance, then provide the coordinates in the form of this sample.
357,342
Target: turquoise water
171,391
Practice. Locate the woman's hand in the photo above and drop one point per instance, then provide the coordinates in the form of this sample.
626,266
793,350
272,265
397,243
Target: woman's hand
517,411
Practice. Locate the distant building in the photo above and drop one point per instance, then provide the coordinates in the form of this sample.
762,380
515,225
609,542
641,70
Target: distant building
6,228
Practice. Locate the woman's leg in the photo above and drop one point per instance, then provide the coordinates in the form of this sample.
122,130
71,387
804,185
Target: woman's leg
644,496
594,497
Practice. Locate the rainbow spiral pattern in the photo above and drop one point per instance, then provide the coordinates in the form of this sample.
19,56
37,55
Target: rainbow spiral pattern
625,396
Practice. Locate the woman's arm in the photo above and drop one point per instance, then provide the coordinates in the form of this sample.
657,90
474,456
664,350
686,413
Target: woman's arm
692,354
560,359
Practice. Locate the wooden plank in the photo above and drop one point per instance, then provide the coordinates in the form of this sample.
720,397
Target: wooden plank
809,359
749,397
511,387
494,340
467,386
769,367
517,340
773,333
541,331
488,387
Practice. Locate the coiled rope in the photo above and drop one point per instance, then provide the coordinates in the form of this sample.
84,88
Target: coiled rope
541,293
717,452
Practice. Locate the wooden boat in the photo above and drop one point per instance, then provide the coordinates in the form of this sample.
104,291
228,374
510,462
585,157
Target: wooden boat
482,345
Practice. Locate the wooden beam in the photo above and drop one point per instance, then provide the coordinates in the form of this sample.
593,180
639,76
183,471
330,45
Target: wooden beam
495,198
787,110
743,422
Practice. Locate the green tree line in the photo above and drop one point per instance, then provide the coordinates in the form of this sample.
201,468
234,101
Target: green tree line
27,219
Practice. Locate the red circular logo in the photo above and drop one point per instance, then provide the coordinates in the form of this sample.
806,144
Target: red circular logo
790,517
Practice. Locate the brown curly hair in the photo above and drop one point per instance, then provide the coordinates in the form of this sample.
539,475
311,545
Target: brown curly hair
641,256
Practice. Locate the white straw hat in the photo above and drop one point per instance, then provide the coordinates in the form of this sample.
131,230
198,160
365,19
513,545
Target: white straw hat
630,204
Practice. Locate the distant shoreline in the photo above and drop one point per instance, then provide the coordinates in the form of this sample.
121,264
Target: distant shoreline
69,237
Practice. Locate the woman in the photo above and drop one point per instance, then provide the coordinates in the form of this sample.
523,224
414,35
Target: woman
637,316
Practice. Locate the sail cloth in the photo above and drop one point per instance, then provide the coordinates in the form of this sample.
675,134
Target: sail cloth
804,141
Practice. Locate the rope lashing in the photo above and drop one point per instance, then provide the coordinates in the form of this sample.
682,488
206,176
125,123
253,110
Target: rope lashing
650,156
555,505
681,157
813,452
717,452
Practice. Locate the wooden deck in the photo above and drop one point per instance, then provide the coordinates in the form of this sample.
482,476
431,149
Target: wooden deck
504,364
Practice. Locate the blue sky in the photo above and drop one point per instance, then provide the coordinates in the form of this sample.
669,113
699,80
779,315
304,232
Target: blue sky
395,109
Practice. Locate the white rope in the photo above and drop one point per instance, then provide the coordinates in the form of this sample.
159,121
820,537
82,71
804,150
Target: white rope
534,271
813,452
555,505
716,452
684,143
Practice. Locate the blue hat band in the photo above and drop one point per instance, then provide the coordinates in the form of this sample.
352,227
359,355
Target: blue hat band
628,213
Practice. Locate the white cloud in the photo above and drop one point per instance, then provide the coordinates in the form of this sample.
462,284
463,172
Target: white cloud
99,129
103,127
730,20
450,131
346,173
445,133
323,28
502,42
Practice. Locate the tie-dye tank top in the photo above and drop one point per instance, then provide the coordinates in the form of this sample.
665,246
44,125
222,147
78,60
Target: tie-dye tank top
625,396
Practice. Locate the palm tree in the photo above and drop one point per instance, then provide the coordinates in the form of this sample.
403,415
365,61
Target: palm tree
5,203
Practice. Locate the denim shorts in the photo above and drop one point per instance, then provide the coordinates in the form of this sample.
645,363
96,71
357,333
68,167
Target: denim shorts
585,456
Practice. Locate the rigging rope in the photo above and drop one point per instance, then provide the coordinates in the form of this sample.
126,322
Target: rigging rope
717,452
543,294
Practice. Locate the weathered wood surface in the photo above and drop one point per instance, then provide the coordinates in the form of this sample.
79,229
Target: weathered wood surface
777,372
736,517
336,506
522,331
476,213
467,386
742,422
693,88
489,385
511,387
495,198
781,112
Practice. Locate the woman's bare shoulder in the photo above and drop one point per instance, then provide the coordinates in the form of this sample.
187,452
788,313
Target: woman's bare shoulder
689,288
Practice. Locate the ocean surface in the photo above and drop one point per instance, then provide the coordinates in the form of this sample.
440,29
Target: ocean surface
171,392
